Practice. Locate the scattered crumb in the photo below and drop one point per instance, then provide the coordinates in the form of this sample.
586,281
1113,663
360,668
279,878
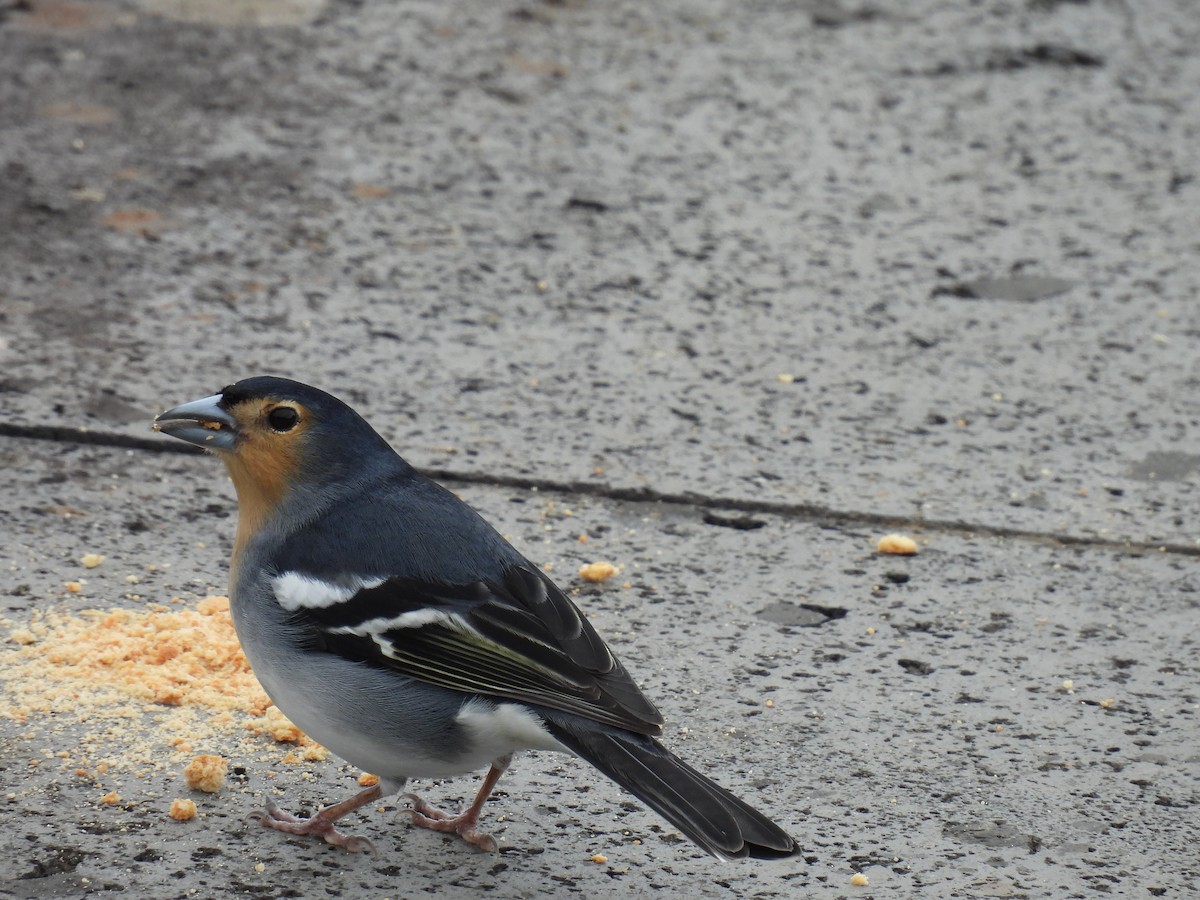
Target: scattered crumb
206,773
870,629
275,724
74,587
858,879
110,798
210,606
182,810
368,780
1068,686
149,684
260,868
785,378
599,858
1106,702
597,571
897,544
90,560
770,704
312,751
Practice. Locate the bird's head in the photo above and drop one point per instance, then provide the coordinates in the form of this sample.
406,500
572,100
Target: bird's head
278,436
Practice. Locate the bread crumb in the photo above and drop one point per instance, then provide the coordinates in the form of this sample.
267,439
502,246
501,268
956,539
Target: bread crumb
1068,686
367,780
858,879
597,571
110,798
206,773
182,810
90,560
74,587
1107,702
159,678
277,726
599,858
210,606
312,752
897,544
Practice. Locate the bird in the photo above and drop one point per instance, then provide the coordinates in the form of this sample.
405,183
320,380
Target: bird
392,624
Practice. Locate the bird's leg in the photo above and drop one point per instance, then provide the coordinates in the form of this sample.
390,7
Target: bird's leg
321,823
463,824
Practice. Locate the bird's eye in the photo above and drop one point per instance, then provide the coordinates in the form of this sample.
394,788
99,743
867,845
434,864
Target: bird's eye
283,418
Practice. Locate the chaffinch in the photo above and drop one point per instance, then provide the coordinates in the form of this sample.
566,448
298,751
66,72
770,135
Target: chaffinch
392,624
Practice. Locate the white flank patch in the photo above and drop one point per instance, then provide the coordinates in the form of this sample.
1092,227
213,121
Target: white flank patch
417,618
295,591
504,727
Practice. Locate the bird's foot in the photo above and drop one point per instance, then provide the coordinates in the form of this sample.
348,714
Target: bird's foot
425,815
320,824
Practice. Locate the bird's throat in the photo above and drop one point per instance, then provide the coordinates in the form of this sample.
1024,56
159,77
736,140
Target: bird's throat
261,482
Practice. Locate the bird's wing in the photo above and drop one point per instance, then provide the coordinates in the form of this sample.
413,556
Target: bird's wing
520,638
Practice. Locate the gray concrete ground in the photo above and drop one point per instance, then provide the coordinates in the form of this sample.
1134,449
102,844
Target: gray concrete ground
813,269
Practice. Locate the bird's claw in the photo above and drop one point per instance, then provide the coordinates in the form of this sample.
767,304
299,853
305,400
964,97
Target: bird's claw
425,815
353,843
274,817
272,811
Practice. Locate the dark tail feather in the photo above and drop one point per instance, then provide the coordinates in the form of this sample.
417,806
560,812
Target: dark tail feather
716,820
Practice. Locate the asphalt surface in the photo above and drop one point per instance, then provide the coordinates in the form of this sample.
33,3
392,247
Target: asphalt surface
742,285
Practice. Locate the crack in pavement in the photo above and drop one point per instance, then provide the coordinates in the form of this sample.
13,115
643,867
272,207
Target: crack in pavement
809,512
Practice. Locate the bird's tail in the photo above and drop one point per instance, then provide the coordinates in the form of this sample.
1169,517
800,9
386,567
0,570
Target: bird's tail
717,821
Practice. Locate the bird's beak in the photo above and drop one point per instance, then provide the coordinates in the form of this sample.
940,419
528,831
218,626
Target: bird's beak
204,423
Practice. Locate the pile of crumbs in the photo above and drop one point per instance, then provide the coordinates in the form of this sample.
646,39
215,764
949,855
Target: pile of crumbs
146,684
